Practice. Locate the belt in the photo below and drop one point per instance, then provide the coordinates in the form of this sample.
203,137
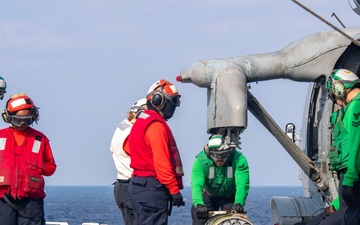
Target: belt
123,181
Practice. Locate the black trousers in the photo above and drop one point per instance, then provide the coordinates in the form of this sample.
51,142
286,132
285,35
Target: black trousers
352,215
337,218
150,200
334,219
31,212
122,200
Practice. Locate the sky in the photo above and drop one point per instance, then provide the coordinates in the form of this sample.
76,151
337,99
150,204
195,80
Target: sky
84,63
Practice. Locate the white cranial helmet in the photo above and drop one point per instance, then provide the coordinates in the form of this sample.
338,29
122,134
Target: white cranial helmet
138,105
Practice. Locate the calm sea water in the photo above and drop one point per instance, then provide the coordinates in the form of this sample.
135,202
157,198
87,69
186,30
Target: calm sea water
80,204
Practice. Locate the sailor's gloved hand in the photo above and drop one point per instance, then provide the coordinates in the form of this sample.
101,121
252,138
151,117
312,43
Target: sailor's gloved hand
202,212
237,208
177,200
349,196
328,211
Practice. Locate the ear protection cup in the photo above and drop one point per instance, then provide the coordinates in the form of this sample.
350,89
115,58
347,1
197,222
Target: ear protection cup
4,116
157,99
5,113
206,150
338,89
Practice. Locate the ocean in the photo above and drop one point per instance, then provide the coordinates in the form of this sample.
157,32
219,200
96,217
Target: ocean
80,204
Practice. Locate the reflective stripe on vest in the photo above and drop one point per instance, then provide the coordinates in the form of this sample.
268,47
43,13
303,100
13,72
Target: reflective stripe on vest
2,143
36,146
229,172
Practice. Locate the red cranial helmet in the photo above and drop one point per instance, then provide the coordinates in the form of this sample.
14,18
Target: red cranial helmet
164,97
18,103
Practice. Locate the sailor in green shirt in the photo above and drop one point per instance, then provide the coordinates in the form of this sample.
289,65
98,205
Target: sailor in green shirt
344,85
219,180
338,158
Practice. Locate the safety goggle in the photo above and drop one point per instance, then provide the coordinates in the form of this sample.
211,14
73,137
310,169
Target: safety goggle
20,120
175,100
218,156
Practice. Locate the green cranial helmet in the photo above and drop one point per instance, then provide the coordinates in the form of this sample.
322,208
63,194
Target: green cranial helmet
217,143
346,77
339,81
218,149
2,87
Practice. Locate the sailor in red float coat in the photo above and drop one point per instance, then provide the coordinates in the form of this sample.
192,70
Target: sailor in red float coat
163,163
157,175
22,166
25,157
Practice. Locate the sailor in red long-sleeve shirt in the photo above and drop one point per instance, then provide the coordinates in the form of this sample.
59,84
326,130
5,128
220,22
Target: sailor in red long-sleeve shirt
158,171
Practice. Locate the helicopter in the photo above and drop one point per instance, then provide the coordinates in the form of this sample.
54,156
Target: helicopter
355,5
310,59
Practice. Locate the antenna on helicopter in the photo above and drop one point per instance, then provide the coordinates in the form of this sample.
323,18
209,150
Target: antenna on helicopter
356,42
333,14
355,6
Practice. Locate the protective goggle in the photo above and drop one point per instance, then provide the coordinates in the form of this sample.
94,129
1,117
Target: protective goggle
20,120
175,100
217,156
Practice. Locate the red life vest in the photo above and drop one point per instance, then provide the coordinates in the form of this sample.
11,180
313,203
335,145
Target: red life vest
22,167
141,154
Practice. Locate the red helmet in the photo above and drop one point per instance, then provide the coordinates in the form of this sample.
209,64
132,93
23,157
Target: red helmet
19,102
165,97
16,103
168,87
165,89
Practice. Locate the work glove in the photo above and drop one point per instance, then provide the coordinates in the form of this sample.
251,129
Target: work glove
177,200
328,211
348,195
202,212
237,208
